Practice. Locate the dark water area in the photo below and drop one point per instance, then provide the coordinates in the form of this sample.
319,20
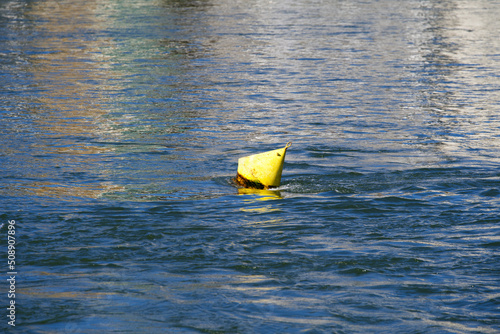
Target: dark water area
121,124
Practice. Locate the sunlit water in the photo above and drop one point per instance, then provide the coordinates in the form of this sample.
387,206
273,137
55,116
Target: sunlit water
121,124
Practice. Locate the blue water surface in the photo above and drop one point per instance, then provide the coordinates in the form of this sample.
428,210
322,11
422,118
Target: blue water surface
122,122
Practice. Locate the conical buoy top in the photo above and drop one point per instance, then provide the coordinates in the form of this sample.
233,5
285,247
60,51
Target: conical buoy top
263,170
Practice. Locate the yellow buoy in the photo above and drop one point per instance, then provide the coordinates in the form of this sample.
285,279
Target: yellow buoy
263,170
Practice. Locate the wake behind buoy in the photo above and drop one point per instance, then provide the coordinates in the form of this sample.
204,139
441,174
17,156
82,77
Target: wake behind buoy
263,170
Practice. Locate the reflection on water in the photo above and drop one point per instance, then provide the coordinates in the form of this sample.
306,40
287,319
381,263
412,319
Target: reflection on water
69,71
255,198
200,81
261,194
458,81
383,85
133,115
69,79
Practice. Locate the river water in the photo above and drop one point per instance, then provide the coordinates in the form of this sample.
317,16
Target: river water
121,123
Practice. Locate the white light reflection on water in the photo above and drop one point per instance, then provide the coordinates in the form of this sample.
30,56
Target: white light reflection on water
133,114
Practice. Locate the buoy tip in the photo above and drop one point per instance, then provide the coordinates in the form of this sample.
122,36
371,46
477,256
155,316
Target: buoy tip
288,144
